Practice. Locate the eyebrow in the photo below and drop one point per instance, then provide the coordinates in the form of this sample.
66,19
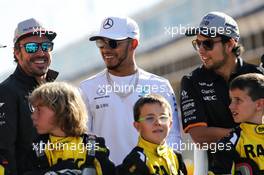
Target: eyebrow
155,114
149,114
236,98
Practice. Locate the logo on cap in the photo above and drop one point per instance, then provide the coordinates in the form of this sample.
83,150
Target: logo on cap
209,17
206,23
108,23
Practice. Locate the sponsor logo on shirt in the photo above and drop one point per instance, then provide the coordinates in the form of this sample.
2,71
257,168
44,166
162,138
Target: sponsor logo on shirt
189,112
2,116
206,84
184,95
189,119
2,119
260,129
187,106
207,91
253,150
101,91
210,98
103,105
208,94
187,101
1,104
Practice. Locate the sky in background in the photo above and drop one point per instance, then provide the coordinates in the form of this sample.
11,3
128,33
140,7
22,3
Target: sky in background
70,19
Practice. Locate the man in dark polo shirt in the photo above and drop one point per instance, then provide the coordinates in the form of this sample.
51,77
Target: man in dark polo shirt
204,92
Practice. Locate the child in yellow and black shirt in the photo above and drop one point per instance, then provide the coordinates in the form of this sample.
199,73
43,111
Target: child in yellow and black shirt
63,147
153,120
245,143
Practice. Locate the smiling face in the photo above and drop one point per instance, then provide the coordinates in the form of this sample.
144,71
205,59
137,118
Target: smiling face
212,59
116,58
33,64
243,108
156,131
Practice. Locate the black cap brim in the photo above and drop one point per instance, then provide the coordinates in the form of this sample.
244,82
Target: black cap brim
93,38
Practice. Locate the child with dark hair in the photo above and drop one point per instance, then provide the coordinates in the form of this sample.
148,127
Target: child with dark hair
246,141
153,120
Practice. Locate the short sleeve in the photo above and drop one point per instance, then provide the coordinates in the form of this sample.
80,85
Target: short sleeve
192,109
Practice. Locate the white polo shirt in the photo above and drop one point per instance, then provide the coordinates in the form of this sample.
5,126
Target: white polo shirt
111,116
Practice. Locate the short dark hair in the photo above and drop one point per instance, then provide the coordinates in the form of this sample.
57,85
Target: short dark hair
16,47
150,99
237,50
253,83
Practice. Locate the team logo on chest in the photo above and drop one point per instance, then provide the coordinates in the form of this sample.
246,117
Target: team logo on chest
208,91
259,129
101,91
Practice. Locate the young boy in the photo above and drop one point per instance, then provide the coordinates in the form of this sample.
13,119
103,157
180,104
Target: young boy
153,120
63,147
246,142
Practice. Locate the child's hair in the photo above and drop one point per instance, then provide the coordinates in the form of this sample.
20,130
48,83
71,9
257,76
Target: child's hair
253,83
150,99
67,104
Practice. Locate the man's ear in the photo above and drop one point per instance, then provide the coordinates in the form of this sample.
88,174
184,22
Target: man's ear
230,45
134,43
17,53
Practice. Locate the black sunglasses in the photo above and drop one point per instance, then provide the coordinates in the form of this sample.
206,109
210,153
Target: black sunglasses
207,44
32,47
113,44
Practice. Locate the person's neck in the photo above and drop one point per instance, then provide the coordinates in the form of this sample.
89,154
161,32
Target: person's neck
58,133
41,79
125,71
226,70
258,119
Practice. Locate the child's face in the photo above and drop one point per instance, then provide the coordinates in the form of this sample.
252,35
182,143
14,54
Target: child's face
243,108
44,120
150,127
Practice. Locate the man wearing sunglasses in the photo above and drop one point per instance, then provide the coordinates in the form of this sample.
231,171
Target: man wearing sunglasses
32,53
204,92
111,94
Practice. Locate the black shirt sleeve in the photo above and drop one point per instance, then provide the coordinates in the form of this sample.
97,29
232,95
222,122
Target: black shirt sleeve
192,110
8,123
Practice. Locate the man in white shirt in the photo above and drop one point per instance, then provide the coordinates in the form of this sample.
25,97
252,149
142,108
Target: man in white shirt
110,95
